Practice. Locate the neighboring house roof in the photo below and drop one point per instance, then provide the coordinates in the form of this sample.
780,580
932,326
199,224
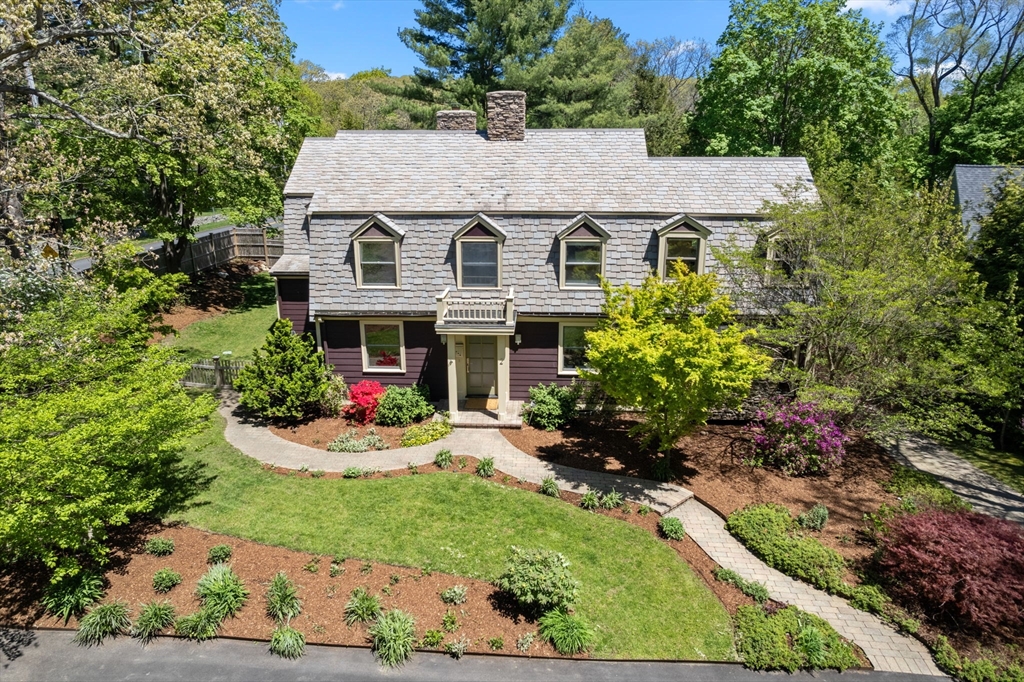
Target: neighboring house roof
972,186
598,171
290,264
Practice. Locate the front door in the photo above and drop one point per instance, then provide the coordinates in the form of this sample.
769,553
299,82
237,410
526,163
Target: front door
482,370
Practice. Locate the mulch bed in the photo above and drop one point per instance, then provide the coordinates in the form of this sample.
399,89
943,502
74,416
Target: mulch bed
318,433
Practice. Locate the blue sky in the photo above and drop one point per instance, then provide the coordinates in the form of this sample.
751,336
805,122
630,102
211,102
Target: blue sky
346,36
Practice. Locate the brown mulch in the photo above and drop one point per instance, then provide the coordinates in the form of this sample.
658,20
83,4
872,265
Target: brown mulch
709,463
318,433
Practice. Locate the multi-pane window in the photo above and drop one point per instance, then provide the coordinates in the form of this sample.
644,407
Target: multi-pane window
378,263
582,263
382,346
685,250
573,345
479,264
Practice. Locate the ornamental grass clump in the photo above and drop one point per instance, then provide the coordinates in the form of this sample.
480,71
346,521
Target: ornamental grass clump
549,487
569,634
539,579
154,618
485,467
287,642
443,459
72,595
798,438
222,592
102,621
392,637
362,607
283,602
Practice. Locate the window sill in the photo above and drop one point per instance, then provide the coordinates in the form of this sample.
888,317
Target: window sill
383,370
568,373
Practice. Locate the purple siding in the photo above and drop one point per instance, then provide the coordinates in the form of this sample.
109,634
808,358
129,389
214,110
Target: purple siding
293,304
535,359
426,358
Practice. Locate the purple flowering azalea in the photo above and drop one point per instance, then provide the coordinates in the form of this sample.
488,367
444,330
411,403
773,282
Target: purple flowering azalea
799,438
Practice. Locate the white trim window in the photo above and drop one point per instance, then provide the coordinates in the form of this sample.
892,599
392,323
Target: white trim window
478,253
681,240
383,346
572,347
581,253
685,250
378,254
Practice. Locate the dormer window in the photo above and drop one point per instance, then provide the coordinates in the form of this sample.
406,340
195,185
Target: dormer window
582,253
478,250
681,239
377,246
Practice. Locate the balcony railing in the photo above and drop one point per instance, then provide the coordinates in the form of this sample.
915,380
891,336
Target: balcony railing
455,313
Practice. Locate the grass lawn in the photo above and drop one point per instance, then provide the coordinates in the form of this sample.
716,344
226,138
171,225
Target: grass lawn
1007,467
644,601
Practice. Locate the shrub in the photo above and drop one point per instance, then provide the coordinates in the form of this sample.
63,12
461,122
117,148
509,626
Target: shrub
403,406
165,580
443,458
961,567
496,643
457,648
524,642
672,528
767,530
981,670
589,500
159,546
198,626
612,500
752,589
287,378
350,442
427,432
364,397
868,598
71,595
282,599
362,607
454,595
449,623
485,467
218,554
393,637
538,578
799,438
814,518
222,592
335,396
432,639
569,634
550,488
287,642
552,407
102,621
154,618
790,640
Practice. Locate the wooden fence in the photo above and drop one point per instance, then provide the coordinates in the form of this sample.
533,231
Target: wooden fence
219,247
213,373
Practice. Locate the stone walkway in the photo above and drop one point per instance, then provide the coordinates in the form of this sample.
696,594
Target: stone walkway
986,493
885,648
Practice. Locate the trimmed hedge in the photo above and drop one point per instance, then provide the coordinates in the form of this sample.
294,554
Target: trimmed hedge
402,406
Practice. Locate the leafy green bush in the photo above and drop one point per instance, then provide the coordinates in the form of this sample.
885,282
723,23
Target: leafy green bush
218,554
287,378
198,626
539,579
403,406
71,595
449,623
282,599
335,396
754,590
814,518
569,634
454,595
672,528
362,607
159,546
457,648
443,458
222,592
496,643
550,488
287,642
790,640
485,467
552,407
102,621
432,639
612,500
589,500
867,598
392,637
768,531
165,580
427,432
350,442
154,618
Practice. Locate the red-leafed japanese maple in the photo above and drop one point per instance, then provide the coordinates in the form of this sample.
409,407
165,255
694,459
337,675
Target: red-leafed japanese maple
962,567
363,398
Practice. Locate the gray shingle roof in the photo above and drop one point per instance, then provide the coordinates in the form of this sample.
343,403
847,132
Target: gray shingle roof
289,264
971,187
602,171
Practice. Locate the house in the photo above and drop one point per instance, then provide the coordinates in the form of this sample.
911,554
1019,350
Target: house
470,261
972,187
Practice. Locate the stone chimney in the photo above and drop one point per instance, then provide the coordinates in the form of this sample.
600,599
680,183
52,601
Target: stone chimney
456,119
506,115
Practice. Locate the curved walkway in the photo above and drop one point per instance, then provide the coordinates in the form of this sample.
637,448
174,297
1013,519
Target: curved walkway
887,649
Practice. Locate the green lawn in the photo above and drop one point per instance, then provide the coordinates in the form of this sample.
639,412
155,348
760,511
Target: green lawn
1007,467
644,600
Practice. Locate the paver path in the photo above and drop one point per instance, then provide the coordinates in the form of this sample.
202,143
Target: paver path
986,493
885,648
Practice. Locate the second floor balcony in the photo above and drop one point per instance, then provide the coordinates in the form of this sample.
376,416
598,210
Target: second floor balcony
459,313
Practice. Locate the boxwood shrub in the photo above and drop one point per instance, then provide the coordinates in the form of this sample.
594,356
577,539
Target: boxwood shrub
538,579
401,406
